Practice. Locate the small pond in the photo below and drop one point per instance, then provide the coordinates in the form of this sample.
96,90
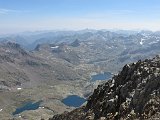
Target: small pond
27,106
73,101
101,76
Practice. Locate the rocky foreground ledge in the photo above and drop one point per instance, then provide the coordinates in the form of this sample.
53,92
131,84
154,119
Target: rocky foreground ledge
132,94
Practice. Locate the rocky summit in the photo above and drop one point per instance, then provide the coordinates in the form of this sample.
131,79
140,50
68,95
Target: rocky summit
132,94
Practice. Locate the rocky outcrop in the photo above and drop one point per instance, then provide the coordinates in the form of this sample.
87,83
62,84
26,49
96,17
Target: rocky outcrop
16,47
132,94
76,43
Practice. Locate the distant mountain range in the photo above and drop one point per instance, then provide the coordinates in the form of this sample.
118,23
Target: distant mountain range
61,63
106,50
29,40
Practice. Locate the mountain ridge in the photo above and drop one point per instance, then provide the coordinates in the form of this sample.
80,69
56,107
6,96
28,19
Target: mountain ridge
132,94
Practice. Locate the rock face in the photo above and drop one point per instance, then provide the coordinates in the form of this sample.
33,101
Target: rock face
76,43
132,94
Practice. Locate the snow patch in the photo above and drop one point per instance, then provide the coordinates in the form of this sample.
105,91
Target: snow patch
111,47
55,47
141,42
1,110
111,100
19,88
90,43
41,107
103,38
8,51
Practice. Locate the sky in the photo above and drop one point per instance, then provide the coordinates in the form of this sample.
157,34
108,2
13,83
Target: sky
33,15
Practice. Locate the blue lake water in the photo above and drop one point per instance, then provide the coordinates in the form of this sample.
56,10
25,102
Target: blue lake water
101,76
73,101
27,106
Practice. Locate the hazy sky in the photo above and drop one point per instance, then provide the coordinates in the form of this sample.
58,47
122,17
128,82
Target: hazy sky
26,15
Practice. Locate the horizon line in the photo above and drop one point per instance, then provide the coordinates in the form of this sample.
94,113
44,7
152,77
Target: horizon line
76,30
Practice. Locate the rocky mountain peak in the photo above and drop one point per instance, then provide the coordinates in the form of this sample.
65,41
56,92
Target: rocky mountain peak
76,43
132,94
11,50
13,45
40,47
